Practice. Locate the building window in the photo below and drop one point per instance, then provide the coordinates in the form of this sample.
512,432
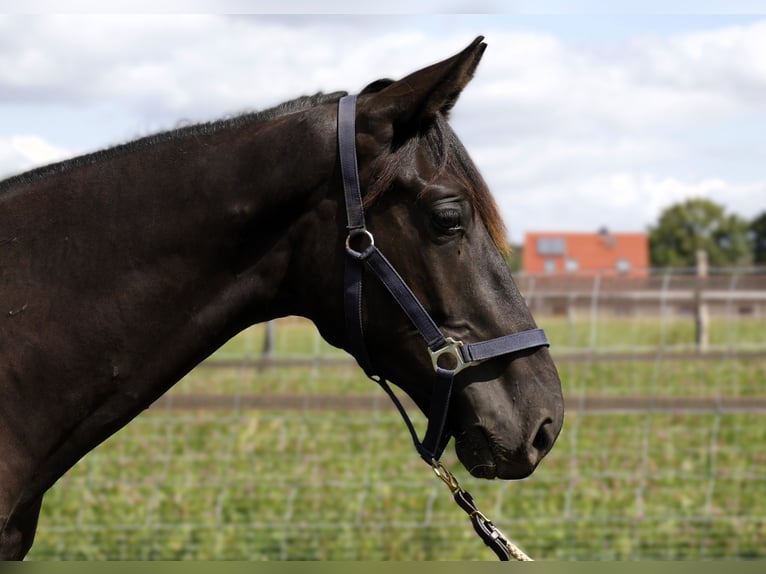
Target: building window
622,265
551,246
550,265
571,265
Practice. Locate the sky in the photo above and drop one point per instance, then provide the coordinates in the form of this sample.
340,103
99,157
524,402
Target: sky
578,119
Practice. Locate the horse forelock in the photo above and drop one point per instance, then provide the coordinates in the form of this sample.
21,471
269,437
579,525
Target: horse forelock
447,153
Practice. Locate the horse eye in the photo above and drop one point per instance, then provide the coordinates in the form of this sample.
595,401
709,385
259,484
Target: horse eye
447,219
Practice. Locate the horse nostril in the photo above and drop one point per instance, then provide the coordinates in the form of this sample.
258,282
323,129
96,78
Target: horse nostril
544,438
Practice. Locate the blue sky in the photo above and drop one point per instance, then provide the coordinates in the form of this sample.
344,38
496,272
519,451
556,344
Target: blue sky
577,118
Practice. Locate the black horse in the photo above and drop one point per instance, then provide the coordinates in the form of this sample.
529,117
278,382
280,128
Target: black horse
122,270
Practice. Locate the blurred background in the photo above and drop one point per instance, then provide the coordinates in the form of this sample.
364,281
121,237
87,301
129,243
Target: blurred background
625,150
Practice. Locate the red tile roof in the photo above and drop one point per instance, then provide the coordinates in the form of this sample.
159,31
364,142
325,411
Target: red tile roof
567,253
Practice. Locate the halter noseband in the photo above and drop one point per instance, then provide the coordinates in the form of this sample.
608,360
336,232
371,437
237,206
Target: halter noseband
362,252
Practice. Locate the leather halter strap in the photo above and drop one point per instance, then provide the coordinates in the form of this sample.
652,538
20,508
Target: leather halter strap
363,253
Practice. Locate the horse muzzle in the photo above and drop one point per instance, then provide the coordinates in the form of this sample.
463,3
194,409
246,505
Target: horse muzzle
485,455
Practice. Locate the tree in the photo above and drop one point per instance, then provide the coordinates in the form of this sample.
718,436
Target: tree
758,237
695,224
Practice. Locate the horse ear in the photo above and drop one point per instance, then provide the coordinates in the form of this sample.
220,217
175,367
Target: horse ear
421,96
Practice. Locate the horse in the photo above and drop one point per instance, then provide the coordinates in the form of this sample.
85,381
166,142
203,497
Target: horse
123,269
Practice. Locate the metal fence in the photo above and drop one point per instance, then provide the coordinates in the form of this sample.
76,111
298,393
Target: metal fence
676,294
278,448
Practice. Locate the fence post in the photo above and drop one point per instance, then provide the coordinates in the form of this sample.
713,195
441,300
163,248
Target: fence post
701,316
664,313
572,319
594,295
268,341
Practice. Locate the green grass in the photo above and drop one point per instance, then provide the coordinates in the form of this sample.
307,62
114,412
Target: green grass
662,378
251,484
647,334
292,485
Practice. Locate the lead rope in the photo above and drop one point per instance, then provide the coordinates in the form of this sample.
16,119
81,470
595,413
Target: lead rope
485,528
490,534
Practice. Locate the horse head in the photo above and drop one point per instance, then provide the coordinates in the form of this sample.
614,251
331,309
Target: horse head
433,217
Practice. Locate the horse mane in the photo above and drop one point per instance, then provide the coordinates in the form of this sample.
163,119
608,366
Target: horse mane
201,129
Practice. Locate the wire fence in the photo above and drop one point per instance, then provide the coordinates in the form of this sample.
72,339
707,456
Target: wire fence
279,448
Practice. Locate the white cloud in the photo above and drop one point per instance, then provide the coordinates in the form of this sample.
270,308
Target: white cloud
622,201
25,152
567,134
194,64
649,83
37,151
190,64
728,60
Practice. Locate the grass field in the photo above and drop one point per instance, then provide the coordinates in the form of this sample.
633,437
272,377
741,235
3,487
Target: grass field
301,484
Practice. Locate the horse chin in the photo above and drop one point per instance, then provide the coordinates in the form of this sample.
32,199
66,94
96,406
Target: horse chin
481,457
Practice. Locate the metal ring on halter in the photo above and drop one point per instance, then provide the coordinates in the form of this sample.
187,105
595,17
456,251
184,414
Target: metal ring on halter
365,252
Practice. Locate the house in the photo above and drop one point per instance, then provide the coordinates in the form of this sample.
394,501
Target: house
604,253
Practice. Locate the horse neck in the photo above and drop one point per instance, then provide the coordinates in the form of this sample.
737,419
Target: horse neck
141,265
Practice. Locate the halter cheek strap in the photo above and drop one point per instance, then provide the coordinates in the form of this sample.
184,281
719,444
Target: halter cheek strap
449,356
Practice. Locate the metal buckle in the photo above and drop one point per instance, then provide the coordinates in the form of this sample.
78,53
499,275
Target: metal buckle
451,348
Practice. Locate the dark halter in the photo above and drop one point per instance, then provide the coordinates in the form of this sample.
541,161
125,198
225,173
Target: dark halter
448,355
